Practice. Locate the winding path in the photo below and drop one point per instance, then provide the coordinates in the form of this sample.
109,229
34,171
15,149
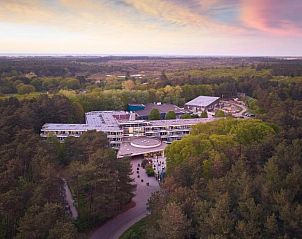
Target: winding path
115,227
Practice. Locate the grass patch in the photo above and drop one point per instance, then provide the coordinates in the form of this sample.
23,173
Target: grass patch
137,231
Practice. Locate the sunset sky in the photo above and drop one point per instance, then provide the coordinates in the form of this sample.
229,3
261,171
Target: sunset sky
159,27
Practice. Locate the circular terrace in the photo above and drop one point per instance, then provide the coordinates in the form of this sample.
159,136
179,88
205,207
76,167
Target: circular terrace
145,143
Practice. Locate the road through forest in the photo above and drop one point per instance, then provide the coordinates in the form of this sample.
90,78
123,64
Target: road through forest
115,227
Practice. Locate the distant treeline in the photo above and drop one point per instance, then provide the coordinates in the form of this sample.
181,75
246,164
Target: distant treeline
72,65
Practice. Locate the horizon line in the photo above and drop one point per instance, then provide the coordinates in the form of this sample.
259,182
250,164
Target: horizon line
141,55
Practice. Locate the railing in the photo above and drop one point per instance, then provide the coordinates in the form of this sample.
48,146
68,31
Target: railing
59,135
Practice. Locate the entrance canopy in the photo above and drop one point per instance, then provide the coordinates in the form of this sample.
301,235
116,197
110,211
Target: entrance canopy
141,146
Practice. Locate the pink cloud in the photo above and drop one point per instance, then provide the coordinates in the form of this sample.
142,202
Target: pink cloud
280,17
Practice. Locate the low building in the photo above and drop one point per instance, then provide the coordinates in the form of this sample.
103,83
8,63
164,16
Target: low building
102,121
171,130
120,127
202,103
162,108
135,107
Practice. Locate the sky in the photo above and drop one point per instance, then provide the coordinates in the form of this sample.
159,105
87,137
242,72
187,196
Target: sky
152,27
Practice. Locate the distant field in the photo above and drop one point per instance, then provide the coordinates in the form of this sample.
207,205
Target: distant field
234,72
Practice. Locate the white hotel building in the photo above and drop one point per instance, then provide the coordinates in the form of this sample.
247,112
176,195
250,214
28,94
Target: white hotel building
119,126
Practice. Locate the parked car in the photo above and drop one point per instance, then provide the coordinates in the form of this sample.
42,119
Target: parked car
250,115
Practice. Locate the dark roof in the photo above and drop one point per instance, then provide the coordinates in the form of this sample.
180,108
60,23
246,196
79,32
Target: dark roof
163,108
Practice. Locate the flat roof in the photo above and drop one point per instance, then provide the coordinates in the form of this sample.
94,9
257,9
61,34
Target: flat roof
65,127
111,121
163,108
202,101
136,105
140,146
145,142
179,121
105,120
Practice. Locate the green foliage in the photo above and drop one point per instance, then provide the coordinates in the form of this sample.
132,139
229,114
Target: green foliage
63,230
190,146
72,84
137,231
229,72
243,186
222,126
186,116
154,114
25,89
128,85
219,113
247,132
204,114
149,170
253,105
170,115
31,189
217,136
102,184
174,223
52,216
35,193
228,179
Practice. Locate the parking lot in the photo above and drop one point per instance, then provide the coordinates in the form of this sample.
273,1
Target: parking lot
234,107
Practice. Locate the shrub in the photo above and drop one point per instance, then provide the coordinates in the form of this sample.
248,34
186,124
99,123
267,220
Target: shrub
149,170
186,116
219,113
204,114
154,114
170,115
25,89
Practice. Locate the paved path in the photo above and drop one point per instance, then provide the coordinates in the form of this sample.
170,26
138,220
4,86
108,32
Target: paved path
69,200
240,105
114,228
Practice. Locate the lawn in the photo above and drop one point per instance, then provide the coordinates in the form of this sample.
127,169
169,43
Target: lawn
137,231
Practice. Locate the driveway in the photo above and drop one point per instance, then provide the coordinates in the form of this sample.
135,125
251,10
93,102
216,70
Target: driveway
115,227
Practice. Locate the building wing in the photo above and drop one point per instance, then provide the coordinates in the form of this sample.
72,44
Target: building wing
202,101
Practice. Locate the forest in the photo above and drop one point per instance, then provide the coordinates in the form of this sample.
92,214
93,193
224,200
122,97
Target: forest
230,179
236,179
32,173
227,179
